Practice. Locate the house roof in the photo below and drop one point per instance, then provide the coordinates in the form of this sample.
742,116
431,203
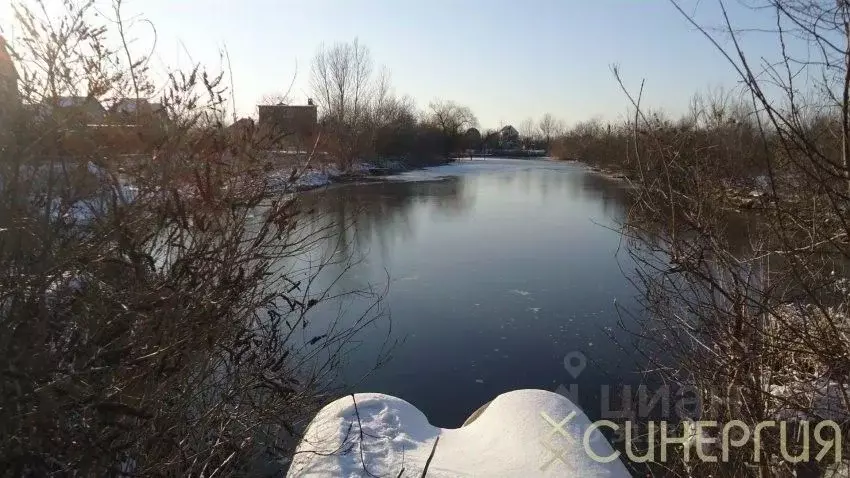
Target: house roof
77,101
131,105
38,109
242,124
282,106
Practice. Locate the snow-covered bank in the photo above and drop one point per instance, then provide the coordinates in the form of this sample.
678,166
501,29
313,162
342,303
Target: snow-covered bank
312,177
614,174
83,211
286,181
479,166
521,433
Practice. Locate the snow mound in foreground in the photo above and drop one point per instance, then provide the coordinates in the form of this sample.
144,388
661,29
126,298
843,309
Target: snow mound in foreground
519,434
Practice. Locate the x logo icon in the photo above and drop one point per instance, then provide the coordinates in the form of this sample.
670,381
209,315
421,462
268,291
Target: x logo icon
557,429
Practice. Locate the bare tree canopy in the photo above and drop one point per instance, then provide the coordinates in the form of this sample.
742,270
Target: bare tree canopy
341,81
363,119
549,127
274,99
527,129
453,119
343,87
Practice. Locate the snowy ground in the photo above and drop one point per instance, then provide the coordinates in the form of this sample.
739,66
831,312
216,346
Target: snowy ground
521,433
83,211
316,176
312,177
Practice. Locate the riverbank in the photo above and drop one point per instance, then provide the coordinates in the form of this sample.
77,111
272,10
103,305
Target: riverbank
505,153
316,177
746,195
615,174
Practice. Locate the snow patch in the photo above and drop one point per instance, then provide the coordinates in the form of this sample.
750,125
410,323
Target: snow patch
824,400
380,435
306,179
84,211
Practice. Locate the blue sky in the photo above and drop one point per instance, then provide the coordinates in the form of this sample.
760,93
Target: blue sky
506,60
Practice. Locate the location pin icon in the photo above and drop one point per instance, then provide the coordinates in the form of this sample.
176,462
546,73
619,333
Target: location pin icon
574,363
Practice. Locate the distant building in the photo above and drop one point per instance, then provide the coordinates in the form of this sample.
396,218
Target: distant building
130,111
242,130
76,111
508,137
291,125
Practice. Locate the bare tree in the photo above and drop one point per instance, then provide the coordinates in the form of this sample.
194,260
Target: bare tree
549,127
385,106
274,99
391,120
452,119
343,87
528,131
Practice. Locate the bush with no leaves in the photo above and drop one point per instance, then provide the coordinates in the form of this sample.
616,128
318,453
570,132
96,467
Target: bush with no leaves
154,317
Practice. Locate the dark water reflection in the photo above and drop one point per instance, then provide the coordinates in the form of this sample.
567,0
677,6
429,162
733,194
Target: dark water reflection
497,269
